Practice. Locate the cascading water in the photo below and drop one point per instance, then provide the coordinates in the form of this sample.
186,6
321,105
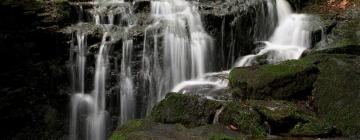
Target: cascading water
175,49
127,101
185,47
89,116
289,40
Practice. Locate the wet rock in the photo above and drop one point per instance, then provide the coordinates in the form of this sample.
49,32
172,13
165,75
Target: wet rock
235,26
242,118
287,80
281,116
336,91
188,110
314,129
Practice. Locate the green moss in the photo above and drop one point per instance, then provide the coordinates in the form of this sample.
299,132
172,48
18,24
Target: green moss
244,118
220,137
313,129
280,111
188,110
130,126
279,81
336,92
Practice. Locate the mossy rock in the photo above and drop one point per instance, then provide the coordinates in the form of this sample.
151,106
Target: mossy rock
278,111
337,91
281,115
314,129
148,130
287,80
189,110
244,118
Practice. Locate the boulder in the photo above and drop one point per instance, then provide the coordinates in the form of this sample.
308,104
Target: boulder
336,91
314,129
188,110
243,118
291,79
281,116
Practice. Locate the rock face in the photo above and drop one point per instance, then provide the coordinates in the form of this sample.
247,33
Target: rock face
283,81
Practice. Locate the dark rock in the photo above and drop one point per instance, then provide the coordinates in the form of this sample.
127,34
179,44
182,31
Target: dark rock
243,118
281,116
188,110
287,80
336,91
314,129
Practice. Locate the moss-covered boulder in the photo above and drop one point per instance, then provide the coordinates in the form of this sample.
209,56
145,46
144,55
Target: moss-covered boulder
281,116
148,130
337,91
292,79
243,118
189,110
314,129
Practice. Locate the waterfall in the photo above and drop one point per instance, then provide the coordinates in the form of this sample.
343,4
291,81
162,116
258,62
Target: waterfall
175,56
185,47
89,116
127,101
290,39
283,10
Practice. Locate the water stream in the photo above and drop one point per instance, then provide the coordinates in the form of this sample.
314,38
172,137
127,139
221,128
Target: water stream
175,56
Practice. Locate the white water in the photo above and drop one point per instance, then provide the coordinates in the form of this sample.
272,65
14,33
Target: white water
96,119
78,77
288,41
179,52
127,101
88,111
186,46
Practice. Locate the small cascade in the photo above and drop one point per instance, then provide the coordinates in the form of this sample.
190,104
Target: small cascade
96,119
283,10
89,117
217,114
127,101
184,51
290,39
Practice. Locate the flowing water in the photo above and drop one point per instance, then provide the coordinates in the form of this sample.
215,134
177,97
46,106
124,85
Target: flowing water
185,48
289,40
174,57
89,116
